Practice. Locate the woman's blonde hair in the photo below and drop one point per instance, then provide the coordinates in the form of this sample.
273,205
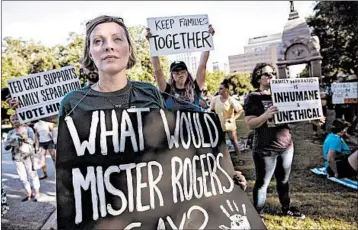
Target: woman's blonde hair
86,61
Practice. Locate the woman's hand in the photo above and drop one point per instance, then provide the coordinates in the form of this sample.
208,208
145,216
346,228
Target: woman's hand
270,112
148,34
239,179
211,30
322,121
13,102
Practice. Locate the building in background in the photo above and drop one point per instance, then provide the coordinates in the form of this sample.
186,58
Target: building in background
219,66
259,49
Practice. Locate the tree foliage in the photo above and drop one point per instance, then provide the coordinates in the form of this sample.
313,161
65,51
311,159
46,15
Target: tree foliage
335,23
213,80
240,83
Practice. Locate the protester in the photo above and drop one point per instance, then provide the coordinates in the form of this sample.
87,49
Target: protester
20,141
339,161
182,92
273,147
316,124
225,106
43,131
109,52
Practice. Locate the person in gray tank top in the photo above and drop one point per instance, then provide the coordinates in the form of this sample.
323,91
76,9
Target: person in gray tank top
110,52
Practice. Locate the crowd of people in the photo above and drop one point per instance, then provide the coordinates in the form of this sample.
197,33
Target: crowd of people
109,52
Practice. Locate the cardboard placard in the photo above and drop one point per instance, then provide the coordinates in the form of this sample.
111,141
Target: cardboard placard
296,99
345,93
179,34
40,94
147,169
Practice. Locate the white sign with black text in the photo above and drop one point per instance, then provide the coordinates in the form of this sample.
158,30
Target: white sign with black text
296,100
39,94
345,93
179,34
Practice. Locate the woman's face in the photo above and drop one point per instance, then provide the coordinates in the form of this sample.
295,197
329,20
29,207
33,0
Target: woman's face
14,120
180,76
109,48
267,74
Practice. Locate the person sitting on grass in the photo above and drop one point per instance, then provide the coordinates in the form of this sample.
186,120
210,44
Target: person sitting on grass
339,161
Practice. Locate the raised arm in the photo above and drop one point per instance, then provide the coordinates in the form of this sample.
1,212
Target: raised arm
158,72
201,73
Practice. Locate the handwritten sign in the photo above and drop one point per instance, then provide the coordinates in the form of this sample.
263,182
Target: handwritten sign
179,34
296,99
40,94
345,93
147,169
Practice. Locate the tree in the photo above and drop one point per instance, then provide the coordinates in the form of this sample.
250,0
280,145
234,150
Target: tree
240,83
335,23
305,72
143,70
213,81
21,58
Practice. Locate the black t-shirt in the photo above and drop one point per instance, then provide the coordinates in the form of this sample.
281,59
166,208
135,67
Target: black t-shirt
267,137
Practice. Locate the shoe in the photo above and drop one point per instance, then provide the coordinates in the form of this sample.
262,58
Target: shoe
293,212
43,177
26,199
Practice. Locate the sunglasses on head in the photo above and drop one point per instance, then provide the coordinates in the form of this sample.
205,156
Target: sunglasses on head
271,74
118,19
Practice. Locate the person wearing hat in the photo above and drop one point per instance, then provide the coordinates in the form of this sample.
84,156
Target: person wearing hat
339,161
181,92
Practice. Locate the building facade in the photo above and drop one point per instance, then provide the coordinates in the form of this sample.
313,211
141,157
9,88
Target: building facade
259,49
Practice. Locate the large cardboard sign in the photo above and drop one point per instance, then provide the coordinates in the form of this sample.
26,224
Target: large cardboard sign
147,169
40,94
296,99
179,34
345,93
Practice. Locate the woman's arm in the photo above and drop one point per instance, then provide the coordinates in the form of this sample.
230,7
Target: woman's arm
158,72
201,72
254,122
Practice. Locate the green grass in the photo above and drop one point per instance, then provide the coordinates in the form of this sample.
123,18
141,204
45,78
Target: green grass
327,205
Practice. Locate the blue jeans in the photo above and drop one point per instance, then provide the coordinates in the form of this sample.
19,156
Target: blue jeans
279,163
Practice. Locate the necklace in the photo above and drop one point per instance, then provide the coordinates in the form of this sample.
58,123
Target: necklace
110,101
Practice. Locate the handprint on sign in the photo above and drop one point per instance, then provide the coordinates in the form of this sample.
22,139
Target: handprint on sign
237,221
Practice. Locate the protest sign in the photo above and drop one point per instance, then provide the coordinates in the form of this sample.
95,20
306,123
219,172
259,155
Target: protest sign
147,169
179,34
345,93
296,99
40,94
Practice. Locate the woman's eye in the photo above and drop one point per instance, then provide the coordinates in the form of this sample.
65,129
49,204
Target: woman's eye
97,41
117,39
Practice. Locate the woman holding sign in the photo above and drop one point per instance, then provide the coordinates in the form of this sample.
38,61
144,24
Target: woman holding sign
272,146
182,92
20,142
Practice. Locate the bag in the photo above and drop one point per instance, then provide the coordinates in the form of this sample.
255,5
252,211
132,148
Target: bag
229,126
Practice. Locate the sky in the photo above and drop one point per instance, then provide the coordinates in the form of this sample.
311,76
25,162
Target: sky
234,21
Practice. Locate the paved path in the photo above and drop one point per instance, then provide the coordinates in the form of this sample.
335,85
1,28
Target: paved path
30,214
